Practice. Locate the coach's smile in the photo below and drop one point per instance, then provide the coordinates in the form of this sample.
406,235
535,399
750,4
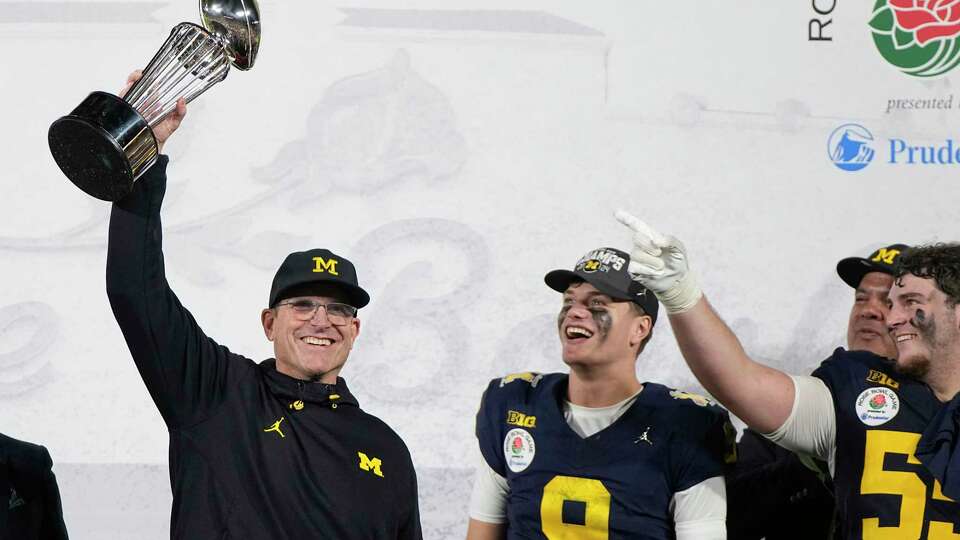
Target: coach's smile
317,341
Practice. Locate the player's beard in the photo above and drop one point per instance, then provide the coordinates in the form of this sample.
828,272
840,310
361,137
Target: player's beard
917,365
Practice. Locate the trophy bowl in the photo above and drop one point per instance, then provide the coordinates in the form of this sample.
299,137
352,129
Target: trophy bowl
107,142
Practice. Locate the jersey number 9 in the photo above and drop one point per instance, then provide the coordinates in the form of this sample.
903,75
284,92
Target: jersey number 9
575,509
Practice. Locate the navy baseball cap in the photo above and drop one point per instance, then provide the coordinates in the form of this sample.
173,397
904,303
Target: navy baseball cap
885,259
302,272
606,269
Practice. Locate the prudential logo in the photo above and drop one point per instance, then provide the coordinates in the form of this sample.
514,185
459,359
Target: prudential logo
849,147
852,147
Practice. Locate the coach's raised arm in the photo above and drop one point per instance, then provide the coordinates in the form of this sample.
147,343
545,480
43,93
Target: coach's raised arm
161,335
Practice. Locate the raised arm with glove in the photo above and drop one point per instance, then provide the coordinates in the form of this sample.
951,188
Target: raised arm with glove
758,394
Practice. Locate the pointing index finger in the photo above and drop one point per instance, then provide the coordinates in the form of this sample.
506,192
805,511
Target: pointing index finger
628,219
641,230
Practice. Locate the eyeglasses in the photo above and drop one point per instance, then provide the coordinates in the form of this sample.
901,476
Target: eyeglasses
304,309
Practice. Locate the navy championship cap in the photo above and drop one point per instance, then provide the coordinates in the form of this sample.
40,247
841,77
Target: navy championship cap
885,259
606,269
302,272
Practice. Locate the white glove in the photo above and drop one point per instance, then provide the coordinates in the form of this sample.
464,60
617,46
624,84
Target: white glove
659,263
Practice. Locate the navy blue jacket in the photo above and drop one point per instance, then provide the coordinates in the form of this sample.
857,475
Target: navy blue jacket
29,497
254,454
773,495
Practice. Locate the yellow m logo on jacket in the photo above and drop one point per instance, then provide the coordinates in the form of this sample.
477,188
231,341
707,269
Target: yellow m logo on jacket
368,464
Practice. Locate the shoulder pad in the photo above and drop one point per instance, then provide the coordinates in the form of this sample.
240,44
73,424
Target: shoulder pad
693,412
518,386
530,377
855,369
702,401
501,396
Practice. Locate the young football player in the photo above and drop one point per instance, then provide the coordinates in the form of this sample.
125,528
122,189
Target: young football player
595,453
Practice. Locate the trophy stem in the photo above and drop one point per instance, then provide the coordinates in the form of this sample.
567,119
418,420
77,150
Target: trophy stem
141,153
188,63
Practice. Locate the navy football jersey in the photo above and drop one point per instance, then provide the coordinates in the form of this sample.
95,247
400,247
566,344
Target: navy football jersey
617,483
882,490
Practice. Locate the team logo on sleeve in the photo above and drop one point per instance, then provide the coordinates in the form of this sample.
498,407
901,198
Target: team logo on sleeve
518,449
517,418
879,377
15,499
529,376
696,398
877,406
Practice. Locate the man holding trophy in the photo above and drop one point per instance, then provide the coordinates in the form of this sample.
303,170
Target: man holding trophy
273,450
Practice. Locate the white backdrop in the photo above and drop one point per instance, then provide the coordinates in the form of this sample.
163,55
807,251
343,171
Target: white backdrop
455,151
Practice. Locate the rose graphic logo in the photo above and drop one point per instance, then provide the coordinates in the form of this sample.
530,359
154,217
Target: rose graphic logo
878,401
517,445
921,37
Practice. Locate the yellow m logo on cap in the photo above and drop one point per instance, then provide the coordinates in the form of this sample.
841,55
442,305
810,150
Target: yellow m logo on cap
886,255
325,265
368,464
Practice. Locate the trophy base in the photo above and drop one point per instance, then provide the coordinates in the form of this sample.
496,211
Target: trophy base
103,146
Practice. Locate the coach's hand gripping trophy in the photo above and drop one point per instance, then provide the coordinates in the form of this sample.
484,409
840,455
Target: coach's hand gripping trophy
106,143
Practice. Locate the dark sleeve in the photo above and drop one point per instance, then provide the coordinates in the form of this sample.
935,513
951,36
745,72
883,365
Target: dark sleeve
771,490
52,527
410,528
705,447
753,488
185,372
488,434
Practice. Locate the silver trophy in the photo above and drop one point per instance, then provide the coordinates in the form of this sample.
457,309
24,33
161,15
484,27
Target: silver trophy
107,142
